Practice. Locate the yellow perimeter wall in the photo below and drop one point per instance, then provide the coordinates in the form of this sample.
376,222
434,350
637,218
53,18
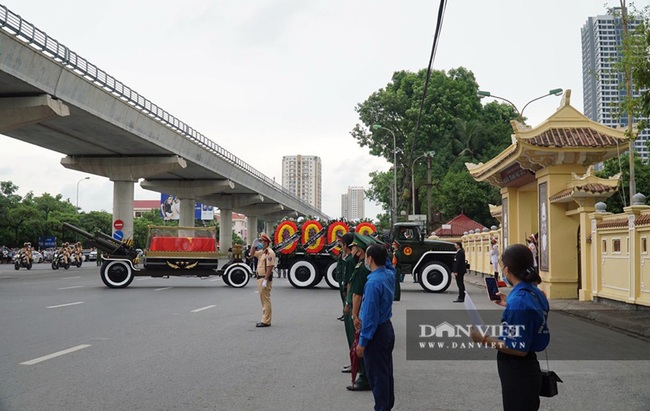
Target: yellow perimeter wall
617,252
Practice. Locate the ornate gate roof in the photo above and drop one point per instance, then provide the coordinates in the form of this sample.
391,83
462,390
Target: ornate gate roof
566,137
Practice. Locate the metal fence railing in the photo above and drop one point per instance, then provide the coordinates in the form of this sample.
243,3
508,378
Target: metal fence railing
26,32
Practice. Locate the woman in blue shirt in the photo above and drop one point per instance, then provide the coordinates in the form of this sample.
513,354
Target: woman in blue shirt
525,331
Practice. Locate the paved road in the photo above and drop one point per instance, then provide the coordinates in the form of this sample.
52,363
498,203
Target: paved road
190,344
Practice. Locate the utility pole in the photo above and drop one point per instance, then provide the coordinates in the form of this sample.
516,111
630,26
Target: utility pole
628,95
429,216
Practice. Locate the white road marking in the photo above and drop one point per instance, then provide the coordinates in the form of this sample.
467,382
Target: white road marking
65,305
161,289
203,308
70,288
214,279
69,278
143,278
56,354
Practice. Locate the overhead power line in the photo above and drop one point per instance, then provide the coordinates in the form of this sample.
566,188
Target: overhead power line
434,47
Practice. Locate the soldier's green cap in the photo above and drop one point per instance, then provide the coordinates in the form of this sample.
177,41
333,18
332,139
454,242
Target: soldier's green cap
362,241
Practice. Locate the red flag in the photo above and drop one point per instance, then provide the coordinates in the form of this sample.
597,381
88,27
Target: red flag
354,360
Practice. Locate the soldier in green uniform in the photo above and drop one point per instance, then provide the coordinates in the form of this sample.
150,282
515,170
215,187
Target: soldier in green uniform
340,269
354,297
346,266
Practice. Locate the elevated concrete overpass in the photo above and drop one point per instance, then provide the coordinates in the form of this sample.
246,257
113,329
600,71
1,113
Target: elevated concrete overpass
53,98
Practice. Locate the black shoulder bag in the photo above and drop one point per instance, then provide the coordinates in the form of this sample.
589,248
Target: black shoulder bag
549,378
549,381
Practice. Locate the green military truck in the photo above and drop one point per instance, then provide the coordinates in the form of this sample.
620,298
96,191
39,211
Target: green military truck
429,261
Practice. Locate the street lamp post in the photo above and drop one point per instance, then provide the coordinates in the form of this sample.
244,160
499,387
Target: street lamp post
85,178
520,114
393,211
427,154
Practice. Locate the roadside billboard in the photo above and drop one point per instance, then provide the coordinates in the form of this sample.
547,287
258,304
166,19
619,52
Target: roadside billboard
170,209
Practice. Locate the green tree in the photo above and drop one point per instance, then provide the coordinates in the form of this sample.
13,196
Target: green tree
630,72
18,221
94,221
236,239
8,200
454,124
621,165
460,193
141,227
48,205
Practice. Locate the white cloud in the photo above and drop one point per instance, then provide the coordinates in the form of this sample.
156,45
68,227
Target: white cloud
288,74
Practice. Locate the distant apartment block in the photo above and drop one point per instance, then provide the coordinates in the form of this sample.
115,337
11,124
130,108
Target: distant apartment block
603,87
302,176
352,203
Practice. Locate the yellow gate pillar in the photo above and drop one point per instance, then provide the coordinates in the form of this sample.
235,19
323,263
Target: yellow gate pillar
558,254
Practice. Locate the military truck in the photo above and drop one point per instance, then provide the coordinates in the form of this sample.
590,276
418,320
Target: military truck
308,252
170,251
429,261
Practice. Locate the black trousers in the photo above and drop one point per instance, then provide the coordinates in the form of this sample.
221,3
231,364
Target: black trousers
521,380
461,285
378,357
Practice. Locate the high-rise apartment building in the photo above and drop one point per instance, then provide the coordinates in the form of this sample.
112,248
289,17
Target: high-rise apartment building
352,203
302,176
603,86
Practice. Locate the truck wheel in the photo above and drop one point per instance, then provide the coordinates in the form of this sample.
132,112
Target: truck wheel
237,275
435,277
329,276
303,274
116,274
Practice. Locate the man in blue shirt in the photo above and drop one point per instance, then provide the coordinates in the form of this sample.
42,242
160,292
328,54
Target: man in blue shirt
377,337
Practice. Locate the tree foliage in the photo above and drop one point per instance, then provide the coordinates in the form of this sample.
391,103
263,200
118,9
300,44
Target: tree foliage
631,71
454,124
621,165
630,64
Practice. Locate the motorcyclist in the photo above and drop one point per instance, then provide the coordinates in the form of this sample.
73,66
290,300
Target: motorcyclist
65,252
27,252
78,251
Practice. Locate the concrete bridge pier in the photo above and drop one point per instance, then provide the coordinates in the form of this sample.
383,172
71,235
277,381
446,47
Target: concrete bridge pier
187,212
123,205
252,228
225,229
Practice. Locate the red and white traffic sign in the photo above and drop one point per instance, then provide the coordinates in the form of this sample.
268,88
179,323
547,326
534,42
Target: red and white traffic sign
118,224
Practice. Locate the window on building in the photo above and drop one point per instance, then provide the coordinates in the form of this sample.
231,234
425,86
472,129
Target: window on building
616,245
604,247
